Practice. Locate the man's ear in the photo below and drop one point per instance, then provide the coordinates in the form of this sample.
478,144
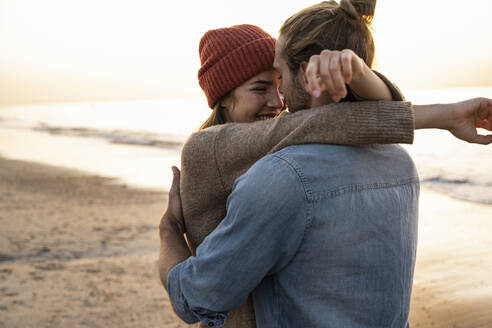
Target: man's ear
301,75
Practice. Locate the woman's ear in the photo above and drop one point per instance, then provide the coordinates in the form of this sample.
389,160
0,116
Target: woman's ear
226,103
227,106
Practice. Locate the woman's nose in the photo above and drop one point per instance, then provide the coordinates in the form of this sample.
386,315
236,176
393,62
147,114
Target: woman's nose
276,100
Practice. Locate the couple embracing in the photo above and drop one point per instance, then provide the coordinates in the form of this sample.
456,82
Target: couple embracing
305,217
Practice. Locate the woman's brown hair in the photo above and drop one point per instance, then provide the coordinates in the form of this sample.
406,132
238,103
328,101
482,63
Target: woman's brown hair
217,117
329,25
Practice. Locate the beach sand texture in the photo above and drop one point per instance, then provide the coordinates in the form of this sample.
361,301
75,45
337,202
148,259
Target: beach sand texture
453,274
78,250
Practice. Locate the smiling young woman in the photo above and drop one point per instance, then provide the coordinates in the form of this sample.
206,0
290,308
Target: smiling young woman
237,75
255,100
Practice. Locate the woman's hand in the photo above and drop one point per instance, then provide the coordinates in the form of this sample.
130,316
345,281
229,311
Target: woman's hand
461,119
331,70
468,116
174,211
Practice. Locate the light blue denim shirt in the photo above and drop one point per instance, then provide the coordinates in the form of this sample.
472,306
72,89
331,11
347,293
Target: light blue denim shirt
322,235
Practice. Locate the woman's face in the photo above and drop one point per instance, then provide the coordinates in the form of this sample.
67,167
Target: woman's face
255,100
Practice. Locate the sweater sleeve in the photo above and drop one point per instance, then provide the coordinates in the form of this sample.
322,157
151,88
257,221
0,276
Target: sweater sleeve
214,158
239,145
396,94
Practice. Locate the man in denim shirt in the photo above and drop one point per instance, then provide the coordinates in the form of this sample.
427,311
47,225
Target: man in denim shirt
321,235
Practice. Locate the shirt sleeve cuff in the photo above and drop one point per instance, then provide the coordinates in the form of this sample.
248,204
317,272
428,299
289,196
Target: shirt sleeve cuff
181,307
177,298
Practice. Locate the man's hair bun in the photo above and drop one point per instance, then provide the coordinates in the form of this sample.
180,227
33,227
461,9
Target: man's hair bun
359,9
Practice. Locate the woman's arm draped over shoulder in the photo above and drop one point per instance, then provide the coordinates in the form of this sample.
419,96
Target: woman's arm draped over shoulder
214,158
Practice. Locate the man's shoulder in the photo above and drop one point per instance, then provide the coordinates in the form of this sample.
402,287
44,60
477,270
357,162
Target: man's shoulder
272,166
328,166
339,152
272,173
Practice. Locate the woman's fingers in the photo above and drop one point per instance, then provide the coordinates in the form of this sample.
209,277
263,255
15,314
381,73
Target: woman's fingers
330,71
331,74
325,73
312,76
484,124
339,91
485,112
482,113
346,62
483,139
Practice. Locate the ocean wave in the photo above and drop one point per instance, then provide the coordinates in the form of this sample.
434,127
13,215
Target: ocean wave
457,181
450,167
462,188
139,138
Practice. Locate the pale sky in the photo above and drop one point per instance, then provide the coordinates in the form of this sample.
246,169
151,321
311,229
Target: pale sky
71,50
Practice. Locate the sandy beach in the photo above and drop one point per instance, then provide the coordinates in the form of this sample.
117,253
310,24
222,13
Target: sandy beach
453,274
79,250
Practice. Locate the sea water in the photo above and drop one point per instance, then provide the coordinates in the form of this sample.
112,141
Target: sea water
138,141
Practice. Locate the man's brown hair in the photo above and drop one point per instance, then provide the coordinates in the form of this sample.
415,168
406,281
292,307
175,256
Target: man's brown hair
332,26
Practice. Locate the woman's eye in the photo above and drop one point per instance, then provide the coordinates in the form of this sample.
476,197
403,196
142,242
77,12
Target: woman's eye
259,89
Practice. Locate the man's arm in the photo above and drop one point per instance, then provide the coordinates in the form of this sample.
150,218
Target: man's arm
250,243
174,249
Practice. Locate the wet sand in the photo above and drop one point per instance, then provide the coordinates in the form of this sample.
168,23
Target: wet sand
78,250
453,275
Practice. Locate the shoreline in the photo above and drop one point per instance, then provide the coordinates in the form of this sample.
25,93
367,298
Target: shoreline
93,156
80,250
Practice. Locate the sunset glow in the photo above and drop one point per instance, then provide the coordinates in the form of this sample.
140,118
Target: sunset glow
57,50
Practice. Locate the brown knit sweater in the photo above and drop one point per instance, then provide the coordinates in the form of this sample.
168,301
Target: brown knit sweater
214,158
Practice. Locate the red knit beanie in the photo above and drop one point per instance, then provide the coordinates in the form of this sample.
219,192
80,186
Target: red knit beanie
232,55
